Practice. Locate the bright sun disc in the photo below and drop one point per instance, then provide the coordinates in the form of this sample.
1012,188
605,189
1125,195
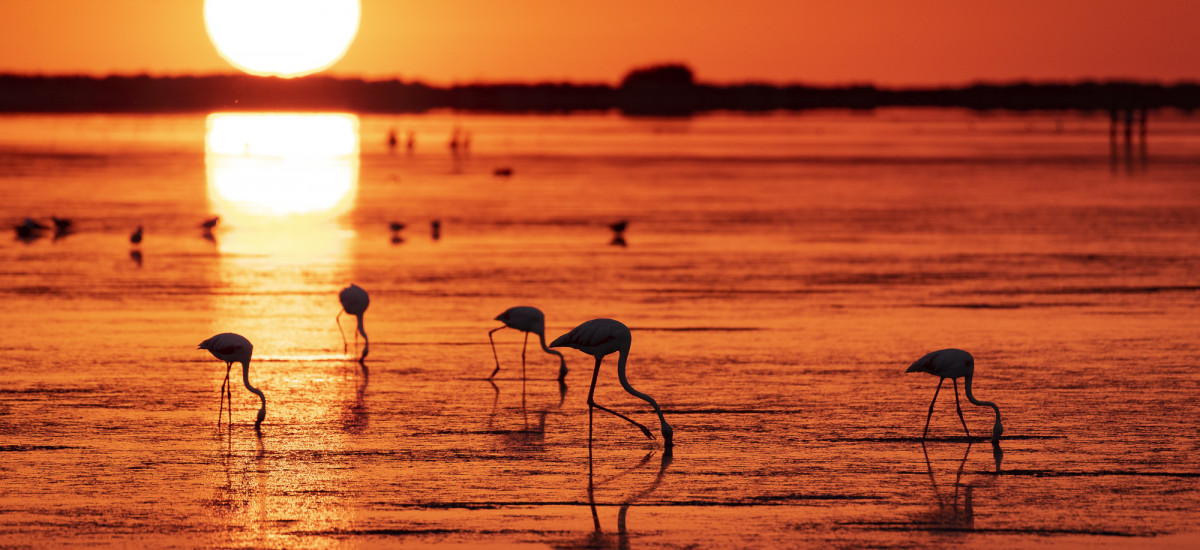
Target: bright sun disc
285,38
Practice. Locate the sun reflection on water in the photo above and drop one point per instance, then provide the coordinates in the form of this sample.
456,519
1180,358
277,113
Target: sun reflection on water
273,169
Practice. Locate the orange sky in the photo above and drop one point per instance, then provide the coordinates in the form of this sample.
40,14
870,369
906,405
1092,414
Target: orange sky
902,42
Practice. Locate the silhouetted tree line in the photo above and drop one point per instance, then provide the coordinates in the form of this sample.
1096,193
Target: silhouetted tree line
657,90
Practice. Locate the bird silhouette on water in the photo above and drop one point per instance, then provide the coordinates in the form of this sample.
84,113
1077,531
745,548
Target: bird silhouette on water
618,229
954,364
528,320
234,348
62,227
354,301
29,229
136,238
598,338
396,227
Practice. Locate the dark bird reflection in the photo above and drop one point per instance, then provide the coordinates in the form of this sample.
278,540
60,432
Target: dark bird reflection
531,437
955,510
356,418
597,538
136,256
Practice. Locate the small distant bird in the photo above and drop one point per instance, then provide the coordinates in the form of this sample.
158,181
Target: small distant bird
600,337
502,172
619,233
526,319
436,227
61,225
136,237
354,301
29,229
210,223
234,348
396,227
954,364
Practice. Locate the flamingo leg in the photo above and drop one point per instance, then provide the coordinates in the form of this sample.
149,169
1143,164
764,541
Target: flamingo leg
341,333
930,415
592,403
497,357
523,347
960,415
221,409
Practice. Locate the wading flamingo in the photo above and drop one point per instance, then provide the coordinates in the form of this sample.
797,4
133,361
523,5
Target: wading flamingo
354,301
600,337
234,348
954,364
526,319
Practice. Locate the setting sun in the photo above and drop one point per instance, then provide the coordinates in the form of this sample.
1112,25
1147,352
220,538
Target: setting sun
285,38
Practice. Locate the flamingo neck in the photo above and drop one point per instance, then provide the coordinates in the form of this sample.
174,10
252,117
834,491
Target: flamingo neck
366,342
667,431
998,428
562,361
246,380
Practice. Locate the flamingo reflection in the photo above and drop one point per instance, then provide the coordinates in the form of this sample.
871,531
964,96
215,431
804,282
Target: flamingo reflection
598,539
356,417
954,510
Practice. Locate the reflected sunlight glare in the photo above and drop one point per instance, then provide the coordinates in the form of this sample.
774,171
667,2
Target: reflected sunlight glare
282,164
289,176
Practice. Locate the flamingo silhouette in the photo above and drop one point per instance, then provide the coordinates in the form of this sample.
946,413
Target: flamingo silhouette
526,319
136,237
234,348
600,337
954,364
354,301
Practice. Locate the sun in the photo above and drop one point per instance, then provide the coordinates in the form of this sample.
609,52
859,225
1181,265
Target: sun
286,38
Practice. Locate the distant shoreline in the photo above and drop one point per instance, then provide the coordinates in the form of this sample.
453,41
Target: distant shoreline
649,93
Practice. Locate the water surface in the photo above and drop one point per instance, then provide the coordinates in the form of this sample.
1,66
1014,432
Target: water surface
779,274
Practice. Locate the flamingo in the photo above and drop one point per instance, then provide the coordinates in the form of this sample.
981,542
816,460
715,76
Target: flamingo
234,348
354,301
526,319
954,364
600,337
136,237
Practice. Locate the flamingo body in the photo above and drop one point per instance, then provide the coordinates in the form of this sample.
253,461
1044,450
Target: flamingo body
235,348
526,319
954,364
601,337
136,237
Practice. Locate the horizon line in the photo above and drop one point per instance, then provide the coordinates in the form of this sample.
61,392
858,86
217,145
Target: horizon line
584,83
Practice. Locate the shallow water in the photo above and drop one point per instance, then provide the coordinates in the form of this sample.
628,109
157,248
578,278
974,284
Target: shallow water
779,274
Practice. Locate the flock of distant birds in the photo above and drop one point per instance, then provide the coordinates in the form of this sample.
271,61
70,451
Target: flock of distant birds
597,337
31,229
